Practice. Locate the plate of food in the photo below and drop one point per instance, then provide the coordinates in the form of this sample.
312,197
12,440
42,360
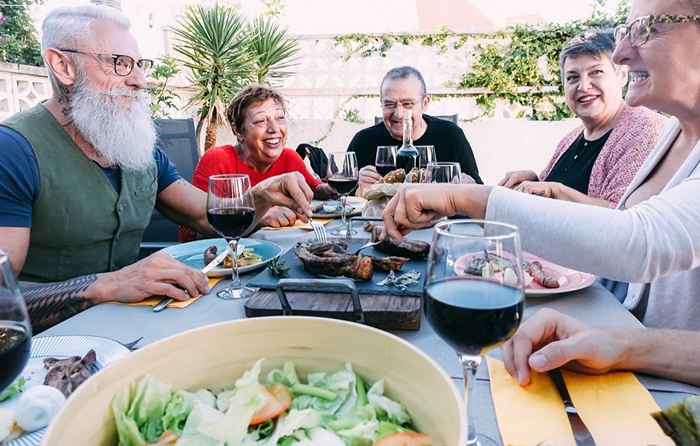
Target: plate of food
252,254
57,366
542,278
334,209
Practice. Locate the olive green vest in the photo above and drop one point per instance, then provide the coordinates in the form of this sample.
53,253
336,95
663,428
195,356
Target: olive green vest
80,224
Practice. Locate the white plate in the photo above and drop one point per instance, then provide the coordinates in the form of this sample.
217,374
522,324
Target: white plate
60,347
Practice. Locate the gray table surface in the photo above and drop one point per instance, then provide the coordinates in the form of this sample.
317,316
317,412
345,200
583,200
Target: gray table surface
594,305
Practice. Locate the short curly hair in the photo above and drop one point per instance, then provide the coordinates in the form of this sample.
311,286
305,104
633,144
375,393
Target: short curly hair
252,94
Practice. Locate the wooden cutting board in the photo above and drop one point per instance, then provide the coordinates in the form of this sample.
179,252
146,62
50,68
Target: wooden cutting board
385,312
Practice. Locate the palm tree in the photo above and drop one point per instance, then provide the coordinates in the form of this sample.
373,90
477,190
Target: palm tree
272,50
213,44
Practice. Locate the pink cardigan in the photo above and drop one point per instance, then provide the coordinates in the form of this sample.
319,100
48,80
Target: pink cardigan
635,134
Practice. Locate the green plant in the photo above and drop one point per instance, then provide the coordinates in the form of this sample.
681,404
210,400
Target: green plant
272,50
212,44
352,115
163,98
18,42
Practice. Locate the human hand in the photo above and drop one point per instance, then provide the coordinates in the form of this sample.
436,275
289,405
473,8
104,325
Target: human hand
289,190
324,191
514,178
157,275
545,189
368,176
465,179
416,206
278,217
549,339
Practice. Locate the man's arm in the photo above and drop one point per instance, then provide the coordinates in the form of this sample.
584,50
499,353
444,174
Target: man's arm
186,205
15,243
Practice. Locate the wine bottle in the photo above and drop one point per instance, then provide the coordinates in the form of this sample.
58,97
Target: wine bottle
407,156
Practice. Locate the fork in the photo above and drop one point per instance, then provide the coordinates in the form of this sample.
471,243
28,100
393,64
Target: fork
132,345
319,230
366,245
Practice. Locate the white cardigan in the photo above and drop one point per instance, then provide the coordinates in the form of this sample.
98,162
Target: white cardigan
655,244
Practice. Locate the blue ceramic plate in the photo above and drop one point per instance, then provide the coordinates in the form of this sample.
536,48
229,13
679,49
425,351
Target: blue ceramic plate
192,254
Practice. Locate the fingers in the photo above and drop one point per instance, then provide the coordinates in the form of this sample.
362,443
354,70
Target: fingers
390,227
556,354
369,175
296,194
168,290
505,180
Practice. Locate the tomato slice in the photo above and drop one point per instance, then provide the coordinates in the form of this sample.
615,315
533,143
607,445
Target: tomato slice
405,439
167,439
278,401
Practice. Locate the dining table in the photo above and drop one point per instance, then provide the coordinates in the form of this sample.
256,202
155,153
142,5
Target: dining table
594,305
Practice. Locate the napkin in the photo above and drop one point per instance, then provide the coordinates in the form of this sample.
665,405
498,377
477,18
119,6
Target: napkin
300,225
153,301
615,407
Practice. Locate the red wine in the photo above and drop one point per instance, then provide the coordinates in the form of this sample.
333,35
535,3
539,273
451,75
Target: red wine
473,316
384,169
231,222
15,343
343,185
407,158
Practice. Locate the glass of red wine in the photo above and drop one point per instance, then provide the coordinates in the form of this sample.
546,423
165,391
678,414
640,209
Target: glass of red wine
473,294
344,181
385,160
231,212
15,328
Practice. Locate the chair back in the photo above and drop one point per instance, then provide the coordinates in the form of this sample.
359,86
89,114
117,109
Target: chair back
452,118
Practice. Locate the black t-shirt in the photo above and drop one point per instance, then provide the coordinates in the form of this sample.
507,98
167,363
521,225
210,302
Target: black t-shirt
574,167
448,139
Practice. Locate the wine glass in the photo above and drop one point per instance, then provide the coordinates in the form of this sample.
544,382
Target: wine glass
344,180
426,155
15,328
385,160
444,172
474,294
231,212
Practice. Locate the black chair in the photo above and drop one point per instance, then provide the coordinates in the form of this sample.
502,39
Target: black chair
452,118
176,137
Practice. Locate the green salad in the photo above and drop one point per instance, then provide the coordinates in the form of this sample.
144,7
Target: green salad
280,409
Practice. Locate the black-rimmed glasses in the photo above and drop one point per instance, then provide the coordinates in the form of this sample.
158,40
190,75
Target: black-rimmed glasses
123,65
639,31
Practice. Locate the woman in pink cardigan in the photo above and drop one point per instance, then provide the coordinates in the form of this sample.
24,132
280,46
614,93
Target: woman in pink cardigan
595,163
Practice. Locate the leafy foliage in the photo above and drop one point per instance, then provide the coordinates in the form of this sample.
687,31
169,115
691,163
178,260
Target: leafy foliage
18,41
272,50
163,98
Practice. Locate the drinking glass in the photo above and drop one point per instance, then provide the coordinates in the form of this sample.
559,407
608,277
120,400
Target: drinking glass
385,160
473,294
426,155
344,180
15,328
444,172
231,212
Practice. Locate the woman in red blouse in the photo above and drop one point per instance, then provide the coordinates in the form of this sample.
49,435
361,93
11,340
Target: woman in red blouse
258,118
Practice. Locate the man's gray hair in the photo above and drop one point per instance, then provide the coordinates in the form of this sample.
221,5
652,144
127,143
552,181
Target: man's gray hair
593,42
404,72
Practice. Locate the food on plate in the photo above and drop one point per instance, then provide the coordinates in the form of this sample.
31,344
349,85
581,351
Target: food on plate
67,374
416,175
412,249
681,421
332,259
13,389
279,408
8,427
37,406
246,257
278,268
491,265
395,176
535,270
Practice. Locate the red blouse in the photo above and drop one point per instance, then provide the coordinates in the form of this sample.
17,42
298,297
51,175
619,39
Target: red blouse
224,159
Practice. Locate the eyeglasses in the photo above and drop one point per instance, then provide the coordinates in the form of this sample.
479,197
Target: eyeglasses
407,103
123,65
640,30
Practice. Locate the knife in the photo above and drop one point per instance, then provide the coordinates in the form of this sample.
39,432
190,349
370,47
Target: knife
163,304
582,435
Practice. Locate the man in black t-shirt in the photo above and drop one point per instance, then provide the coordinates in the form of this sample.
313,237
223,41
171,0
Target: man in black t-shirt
404,88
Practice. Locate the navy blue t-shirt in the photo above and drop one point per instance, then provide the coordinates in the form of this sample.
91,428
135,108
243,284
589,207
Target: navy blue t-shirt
19,177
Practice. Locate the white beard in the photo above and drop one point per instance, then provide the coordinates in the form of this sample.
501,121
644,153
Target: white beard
123,133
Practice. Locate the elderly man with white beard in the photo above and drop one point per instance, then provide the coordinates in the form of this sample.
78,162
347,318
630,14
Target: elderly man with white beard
81,173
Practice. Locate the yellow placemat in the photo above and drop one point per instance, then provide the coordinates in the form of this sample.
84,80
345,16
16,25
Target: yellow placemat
528,416
300,225
615,407
153,301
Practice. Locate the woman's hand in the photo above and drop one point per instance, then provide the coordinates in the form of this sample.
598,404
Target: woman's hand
514,178
278,217
324,191
289,190
545,189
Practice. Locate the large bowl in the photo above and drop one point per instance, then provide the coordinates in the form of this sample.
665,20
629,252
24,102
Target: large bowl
217,354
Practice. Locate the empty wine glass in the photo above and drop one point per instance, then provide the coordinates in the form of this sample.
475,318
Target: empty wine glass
426,155
344,181
385,160
15,328
231,212
444,172
474,294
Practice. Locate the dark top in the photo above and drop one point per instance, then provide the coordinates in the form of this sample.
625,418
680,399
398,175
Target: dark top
574,167
19,177
448,139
